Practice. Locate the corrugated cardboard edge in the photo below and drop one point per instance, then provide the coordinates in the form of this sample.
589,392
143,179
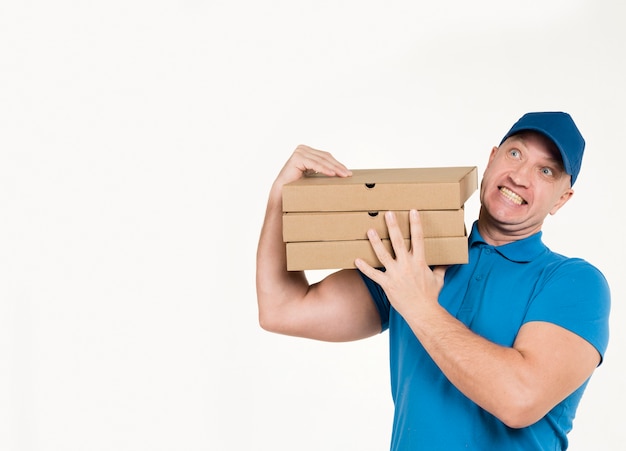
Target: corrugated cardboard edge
341,254
353,225
424,192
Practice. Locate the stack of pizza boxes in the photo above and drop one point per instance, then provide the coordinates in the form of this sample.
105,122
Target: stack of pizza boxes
326,219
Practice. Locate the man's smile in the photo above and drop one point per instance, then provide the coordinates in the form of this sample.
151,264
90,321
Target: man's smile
513,197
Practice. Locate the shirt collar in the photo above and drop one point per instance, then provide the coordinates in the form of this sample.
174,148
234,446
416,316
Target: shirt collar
521,251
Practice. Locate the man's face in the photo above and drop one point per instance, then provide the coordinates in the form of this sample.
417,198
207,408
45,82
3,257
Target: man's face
524,182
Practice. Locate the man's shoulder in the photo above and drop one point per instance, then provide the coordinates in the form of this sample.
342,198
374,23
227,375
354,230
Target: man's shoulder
566,263
574,271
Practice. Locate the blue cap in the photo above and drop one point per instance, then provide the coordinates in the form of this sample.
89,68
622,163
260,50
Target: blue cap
560,128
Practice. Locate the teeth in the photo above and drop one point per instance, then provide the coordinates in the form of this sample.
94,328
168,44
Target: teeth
511,196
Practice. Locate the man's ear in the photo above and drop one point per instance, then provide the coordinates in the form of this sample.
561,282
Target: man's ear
567,195
492,155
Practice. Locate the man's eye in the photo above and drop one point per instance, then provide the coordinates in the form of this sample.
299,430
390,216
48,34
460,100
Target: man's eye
546,171
514,153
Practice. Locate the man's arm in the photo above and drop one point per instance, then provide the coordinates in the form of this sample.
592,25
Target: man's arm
520,384
517,384
338,308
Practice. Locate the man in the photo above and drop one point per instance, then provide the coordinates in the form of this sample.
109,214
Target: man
491,355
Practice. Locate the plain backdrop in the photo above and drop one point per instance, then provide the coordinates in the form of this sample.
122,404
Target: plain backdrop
139,141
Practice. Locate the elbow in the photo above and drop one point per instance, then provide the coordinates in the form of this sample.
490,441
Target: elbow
265,322
268,319
264,315
517,420
274,324
520,411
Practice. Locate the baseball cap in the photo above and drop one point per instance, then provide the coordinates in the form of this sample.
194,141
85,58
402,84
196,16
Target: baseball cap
560,128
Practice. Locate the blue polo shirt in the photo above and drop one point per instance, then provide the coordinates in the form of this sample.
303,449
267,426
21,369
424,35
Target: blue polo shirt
500,289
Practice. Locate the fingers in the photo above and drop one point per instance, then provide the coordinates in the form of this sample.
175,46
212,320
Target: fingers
417,235
395,235
309,160
400,252
306,161
369,270
381,253
385,257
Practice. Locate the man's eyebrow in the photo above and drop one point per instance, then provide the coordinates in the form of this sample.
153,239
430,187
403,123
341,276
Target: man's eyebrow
555,160
556,163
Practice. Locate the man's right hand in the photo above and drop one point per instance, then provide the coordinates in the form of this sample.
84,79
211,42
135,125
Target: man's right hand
306,160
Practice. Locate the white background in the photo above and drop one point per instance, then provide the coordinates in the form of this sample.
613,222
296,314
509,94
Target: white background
138,142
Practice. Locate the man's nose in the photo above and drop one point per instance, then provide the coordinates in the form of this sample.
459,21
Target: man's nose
521,175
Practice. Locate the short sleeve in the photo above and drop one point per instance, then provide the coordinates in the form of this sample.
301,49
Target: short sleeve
380,300
576,296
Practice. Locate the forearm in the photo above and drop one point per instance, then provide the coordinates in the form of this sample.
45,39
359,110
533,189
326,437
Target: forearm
495,377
